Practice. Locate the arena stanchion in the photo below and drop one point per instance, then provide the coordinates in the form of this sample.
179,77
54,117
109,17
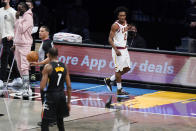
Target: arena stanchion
6,86
7,108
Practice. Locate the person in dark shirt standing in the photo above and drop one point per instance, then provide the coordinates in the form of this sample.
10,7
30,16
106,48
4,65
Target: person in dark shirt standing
134,39
78,21
55,106
191,26
46,44
42,13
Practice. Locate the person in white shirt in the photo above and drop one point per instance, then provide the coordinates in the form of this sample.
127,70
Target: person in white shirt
7,21
118,41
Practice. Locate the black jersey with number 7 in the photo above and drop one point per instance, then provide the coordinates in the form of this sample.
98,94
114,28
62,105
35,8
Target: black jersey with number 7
57,78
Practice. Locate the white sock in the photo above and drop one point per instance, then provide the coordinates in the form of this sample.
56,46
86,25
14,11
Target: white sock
119,86
25,79
113,78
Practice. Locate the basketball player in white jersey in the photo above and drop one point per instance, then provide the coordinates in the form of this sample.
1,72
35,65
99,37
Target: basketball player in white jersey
120,55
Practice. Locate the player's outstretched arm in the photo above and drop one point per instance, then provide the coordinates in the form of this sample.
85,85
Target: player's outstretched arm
45,61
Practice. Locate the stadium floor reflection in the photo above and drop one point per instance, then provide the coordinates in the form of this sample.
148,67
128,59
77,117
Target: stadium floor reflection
95,108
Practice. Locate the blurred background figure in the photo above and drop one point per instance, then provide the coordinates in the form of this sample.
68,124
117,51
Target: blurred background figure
42,13
7,20
134,39
35,18
14,3
30,4
191,27
78,21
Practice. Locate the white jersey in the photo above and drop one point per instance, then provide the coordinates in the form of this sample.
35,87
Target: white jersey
7,20
120,37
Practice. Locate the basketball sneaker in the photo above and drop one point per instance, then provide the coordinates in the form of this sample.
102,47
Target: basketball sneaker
108,102
122,92
16,82
108,83
27,92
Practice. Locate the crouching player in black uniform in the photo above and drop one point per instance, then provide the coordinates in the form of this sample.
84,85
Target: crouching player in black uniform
55,106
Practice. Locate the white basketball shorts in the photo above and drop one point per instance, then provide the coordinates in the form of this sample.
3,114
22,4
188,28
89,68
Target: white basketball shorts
122,61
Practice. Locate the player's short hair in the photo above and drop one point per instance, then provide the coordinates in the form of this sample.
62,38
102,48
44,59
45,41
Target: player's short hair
46,28
120,9
53,52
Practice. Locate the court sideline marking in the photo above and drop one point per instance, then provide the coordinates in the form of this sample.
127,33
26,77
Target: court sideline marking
88,88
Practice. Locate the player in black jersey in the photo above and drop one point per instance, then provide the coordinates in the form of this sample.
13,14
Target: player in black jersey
55,106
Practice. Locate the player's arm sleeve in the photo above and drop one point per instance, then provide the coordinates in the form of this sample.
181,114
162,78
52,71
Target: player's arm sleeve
47,46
